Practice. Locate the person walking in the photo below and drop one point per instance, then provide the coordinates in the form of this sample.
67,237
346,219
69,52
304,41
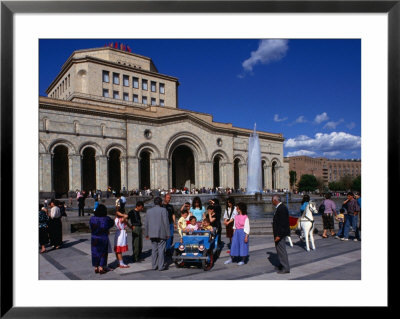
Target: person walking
281,229
327,215
43,228
100,225
240,240
137,232
55,226
351,218
157,229
171,219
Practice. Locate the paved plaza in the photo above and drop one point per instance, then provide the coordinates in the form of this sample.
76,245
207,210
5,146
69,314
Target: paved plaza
73,262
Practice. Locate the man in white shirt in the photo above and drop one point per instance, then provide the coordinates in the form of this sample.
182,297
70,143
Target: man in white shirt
55,226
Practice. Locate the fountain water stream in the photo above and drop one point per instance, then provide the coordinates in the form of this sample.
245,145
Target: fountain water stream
254,184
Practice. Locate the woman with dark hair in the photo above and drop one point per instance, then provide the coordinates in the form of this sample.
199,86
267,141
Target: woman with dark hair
215,217
197,209
100,225
43,228
229,218
240,241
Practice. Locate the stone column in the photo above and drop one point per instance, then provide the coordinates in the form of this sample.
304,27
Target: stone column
101,172
243,175
45,172
153,173
132,172
268,176
75,174
205,175
162,174
123,166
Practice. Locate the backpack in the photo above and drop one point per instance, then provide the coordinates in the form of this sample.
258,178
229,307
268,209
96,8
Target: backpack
321,209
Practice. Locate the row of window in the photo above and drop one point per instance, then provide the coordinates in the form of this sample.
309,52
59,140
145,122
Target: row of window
62,87
135,82
135,98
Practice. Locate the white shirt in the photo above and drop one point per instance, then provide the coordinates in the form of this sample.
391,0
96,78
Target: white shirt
234,213
55,212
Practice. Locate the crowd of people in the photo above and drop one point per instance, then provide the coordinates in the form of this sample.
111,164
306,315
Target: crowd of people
161,222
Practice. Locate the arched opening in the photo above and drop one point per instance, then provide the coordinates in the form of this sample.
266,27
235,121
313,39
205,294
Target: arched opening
60,171
89,169
216,172
273,175
144,170
114,169
263,174
183,170
236,175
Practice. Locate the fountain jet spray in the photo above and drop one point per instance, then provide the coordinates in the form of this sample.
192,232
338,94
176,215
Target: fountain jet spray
254,164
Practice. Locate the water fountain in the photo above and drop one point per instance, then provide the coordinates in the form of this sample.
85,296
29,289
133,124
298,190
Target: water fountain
254,184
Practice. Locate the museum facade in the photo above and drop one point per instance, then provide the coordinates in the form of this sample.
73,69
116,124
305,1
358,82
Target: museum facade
111,119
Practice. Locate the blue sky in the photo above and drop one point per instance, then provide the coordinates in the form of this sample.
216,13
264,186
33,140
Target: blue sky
308,90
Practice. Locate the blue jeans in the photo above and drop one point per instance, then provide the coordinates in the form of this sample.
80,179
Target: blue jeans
340,231
170,239
353,222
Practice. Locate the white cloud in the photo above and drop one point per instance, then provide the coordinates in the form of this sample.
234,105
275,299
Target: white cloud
332,142
301,153
268,51
332,125
301,119
277,119
321,118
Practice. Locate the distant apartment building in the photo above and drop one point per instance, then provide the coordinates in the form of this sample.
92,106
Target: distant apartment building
330,170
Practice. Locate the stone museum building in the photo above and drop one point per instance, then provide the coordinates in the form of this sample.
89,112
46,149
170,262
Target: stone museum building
111,119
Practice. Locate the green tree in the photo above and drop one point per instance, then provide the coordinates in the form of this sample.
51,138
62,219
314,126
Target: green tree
346,181
307,183
356,185
336,186
293,178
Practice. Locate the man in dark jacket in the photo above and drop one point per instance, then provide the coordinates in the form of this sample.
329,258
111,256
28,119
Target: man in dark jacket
281,229
137,236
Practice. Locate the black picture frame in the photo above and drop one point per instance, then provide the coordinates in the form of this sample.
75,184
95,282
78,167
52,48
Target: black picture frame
9,8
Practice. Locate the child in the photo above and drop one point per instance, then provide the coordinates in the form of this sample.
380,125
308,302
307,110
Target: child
182,222
240,240
192,224
206,225
120,238
340,217
186,206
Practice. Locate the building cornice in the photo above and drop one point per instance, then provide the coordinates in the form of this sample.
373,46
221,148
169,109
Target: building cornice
67,65
150,116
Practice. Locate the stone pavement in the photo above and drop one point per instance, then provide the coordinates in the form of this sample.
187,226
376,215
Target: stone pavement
332,260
